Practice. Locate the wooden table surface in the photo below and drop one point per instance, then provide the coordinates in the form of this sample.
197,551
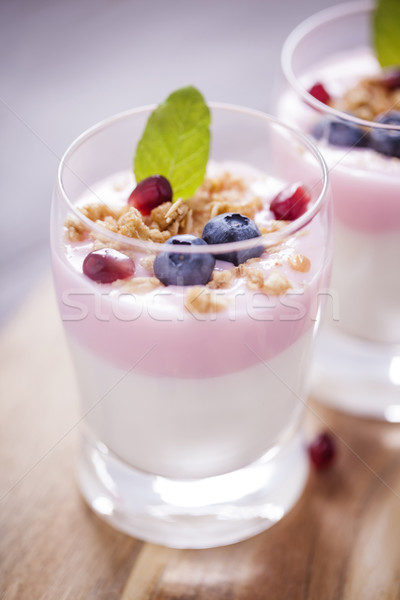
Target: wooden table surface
341,541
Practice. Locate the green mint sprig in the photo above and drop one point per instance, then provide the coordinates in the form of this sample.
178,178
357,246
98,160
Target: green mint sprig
386,32
176,142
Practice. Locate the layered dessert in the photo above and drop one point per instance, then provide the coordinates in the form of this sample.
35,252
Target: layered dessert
190,289
362,150
192,360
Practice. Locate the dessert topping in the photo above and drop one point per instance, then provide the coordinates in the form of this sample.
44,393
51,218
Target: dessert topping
131,224
215,196
220,279
340,133
290,203
149,193
202,300
232,227
299,262
96,212
108,265
255,279
319,92
391,79
175,142
387,141
169,216
174,203
137,285
386,27
147,262
322,451
276,284
174,268
369,98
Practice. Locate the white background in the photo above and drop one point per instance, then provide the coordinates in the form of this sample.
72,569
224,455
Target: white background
65,64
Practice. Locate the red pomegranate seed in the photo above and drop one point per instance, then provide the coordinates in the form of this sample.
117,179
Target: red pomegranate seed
290,203
322,451
391,79
319,92
149,193
108,265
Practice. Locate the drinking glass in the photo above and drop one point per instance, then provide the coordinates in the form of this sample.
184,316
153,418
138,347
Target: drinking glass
191,418
357,366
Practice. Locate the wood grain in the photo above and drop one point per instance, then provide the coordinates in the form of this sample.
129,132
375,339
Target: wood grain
341,541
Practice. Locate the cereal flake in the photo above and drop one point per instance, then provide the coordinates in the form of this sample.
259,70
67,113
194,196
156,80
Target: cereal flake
299,262
276,284
199,299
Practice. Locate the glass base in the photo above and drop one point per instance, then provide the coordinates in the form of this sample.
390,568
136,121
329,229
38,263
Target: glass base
193,513
357,376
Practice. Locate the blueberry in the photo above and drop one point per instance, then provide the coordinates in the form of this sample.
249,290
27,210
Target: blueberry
184,269
232,227
340,133
386,141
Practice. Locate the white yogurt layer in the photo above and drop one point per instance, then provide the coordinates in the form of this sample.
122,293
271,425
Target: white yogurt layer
193,428
366,277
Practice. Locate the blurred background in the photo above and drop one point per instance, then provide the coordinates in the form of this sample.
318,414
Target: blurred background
66,65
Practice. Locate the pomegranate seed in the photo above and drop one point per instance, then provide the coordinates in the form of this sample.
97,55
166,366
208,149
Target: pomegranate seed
319,92
149,193
322,451
108,265
391,79
290,203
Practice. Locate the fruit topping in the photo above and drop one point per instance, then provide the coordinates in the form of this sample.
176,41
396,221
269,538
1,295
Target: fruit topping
391,79
149,193
340,133
108,265
387,141
322,451
319,93
179,268
290,203
232,227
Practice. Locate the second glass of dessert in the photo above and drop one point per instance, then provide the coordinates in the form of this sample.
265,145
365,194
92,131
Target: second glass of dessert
190,303
337,91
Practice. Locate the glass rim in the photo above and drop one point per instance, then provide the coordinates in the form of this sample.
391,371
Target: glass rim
296,37
267,239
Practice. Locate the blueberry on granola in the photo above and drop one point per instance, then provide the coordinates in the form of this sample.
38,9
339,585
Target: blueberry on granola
232,227
387,141
179,268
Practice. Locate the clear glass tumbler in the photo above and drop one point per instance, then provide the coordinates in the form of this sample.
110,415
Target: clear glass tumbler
357,366
192,396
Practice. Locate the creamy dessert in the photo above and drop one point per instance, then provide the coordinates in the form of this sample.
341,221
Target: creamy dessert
364,164
190,290
342,87
204,378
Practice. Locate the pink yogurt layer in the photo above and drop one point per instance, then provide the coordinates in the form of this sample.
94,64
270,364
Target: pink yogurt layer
164,339
178,344
365,184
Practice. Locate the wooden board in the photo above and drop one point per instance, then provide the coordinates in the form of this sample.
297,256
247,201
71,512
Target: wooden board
341,541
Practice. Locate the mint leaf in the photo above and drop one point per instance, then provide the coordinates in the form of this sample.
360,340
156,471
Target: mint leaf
386,32
176,142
